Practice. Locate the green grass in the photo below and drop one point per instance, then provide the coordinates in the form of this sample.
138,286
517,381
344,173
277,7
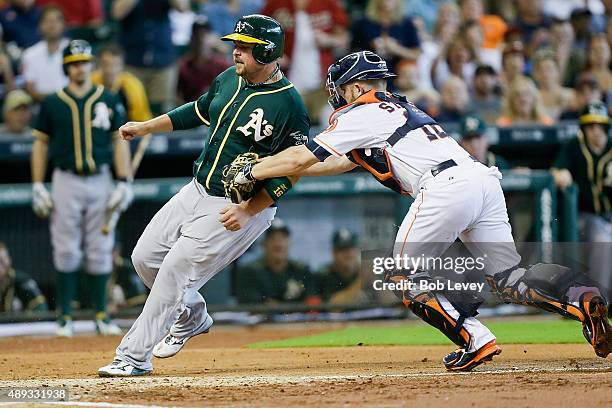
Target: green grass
514,332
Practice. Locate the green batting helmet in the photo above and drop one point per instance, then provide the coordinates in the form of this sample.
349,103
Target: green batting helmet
76,51
263,31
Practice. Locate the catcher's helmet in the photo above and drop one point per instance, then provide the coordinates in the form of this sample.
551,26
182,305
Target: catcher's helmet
361,65
76,51
595,112
263,31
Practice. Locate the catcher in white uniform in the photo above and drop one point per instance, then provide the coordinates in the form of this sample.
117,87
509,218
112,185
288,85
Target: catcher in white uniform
455,197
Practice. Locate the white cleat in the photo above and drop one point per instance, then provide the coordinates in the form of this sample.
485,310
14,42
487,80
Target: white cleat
170,345
65,330
120,368
107,328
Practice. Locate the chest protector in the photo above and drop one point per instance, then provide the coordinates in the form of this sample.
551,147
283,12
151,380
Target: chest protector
376,161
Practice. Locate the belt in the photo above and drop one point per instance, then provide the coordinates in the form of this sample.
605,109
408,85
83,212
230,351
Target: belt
447,165
442,166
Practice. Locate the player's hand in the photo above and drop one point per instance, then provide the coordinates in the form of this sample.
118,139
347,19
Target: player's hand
563,178
235,216
41,200
133,129
121,197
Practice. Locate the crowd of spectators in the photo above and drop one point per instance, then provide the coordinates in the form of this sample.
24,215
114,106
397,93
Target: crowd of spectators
528,62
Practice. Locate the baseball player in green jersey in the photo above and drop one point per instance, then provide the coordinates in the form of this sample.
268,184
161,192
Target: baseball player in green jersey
250,107
587,161
78,126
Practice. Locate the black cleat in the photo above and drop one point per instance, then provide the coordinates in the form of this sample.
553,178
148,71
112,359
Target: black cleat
460,360
595,326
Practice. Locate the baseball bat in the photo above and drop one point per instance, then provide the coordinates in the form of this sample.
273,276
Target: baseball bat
112,217
140,152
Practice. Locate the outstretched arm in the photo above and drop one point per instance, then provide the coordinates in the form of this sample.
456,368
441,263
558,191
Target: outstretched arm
156,125
331,166
289,162
187,116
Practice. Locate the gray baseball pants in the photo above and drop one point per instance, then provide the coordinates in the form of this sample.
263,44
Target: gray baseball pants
182,248
77,220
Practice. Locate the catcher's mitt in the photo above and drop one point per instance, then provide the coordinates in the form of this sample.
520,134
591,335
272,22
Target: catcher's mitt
233,190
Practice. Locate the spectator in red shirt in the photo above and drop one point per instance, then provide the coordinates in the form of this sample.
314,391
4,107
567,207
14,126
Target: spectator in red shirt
202,63
78,13
315,28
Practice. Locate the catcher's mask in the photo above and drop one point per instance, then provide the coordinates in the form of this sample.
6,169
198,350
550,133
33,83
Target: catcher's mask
361,65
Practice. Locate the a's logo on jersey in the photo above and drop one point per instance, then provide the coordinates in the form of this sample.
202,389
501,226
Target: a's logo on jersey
101,114
258,124
471,124
293,290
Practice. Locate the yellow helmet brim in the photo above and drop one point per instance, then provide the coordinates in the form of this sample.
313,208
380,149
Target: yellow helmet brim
69,59
598,119
243,38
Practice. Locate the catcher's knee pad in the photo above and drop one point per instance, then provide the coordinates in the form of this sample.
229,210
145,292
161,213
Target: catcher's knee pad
429,307
398,276
541,285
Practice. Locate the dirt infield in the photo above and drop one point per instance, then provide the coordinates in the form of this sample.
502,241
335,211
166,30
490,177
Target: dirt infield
217,370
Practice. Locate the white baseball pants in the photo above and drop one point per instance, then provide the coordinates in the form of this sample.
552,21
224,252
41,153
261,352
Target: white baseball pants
464,202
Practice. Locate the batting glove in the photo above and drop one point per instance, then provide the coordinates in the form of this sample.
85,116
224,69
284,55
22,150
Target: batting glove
41,200
121,197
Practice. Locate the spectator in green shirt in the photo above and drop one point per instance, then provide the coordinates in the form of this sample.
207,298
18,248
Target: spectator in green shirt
275,278
340,281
